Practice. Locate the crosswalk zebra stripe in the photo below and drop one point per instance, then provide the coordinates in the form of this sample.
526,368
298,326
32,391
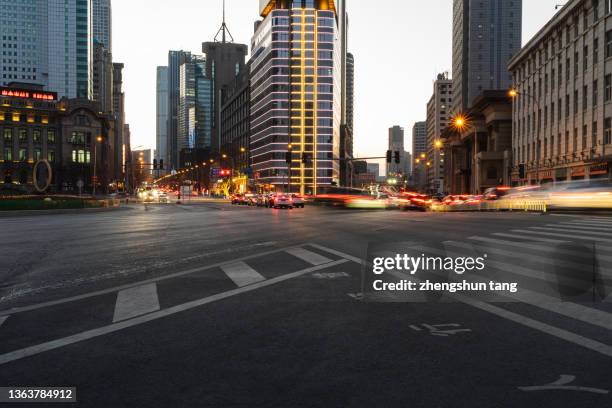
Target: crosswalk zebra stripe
594,223
570,237
242,274
547,260
579,227
538,247
573,310
559,229
136,302
538,239
308,256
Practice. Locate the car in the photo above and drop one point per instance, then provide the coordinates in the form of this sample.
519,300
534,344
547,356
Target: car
162,197
282,201
298,201
455,199
496,193
237,199
414,201
250,199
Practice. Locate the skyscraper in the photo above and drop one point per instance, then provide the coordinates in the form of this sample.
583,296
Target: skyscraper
296,95
486,35
195,105
121,137
175,60
103,78
397,144
419,154
102,23
56,50
161,132
438,118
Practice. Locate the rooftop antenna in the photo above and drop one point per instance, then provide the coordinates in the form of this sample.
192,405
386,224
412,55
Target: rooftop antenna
224,31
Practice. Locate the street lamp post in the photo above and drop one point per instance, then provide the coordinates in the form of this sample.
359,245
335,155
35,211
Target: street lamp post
95,179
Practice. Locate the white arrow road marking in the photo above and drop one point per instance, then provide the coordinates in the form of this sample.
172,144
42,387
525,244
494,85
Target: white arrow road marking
562,385
135,302
242,274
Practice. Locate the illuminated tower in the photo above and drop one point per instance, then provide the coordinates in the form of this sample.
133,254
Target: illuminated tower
296,95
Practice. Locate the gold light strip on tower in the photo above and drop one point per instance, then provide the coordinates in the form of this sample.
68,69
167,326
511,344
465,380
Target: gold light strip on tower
315,105
303,101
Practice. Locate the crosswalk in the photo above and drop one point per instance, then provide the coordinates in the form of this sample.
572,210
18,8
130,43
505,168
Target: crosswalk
134,304
564,269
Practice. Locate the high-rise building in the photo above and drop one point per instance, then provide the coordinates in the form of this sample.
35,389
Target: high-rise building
102,21
438,118
350,91
55,51
103,78
296,95
397,144
419,154
236,122
195,105
347,129
121,138
563,78
175,60
486,34
224,61
161,131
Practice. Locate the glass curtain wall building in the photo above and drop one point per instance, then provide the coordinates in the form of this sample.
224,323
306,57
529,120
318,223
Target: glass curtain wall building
295,95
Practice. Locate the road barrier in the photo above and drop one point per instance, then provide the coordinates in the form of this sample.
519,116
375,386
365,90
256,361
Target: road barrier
501,205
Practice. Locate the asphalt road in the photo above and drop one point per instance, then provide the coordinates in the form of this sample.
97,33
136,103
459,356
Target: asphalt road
210,305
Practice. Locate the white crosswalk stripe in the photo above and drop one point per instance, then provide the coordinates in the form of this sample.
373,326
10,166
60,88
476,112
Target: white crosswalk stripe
539,239
569,236
538,247
308,256
580,227
562,229
573,310
242,274
134,302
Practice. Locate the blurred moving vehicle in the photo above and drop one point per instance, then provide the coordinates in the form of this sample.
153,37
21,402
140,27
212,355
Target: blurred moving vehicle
250,200
298,201
567,195
163,197
455,199
238,199
282,201
414,201
496,193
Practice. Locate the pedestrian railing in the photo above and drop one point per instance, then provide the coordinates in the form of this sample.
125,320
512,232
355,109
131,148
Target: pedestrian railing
501,205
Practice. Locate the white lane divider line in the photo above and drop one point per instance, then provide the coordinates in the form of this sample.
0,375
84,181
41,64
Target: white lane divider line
136,302
308,256
3,319
242,274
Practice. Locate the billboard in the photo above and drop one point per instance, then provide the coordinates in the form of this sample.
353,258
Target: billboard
28,94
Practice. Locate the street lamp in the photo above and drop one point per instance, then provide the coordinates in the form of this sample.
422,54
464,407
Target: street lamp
95,179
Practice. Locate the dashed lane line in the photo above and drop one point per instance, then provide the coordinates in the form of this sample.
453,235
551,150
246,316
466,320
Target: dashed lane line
136,302
115,327
242,274
131,285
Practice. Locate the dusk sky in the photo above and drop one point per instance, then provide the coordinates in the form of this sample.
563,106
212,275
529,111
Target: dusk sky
398,48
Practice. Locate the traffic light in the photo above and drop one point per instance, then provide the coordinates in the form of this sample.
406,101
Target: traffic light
397,158
161,164
154,164
288,157
306,158
389,156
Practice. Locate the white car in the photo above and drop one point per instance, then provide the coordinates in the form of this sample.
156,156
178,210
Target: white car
298,201
282,201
